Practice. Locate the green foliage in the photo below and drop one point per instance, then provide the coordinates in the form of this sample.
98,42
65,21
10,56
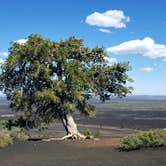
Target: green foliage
8,136
111,80
151,138
19,134
51,78
3,124
5,138
98,133
9,124
9,132
89,134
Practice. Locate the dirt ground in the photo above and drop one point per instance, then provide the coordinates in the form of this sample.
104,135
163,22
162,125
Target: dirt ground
113,120
69,153
139,114
142,115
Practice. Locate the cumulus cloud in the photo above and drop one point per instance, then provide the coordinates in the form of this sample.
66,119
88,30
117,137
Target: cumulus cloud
110,18
146,47
104,30
3,53
110,60
21,41
147,69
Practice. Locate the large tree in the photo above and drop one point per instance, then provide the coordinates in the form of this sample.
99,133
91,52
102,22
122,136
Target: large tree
46,78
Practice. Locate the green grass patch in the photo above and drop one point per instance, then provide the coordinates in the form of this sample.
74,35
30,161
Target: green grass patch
151,138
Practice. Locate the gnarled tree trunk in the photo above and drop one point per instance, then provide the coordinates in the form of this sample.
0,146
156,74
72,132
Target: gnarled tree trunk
70,127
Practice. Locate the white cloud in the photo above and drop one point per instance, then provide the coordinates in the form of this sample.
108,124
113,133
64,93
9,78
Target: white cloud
146,47
110,60
147,69
104,30
21,41
110,18
2,61
3,53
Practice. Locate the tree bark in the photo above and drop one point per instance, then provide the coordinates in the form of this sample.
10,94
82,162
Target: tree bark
70,127
63,120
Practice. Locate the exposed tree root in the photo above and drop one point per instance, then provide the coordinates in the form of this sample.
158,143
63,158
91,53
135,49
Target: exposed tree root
71,129
69,137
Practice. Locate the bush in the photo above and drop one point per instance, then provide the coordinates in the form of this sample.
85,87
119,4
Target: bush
8,124
1,124
8,136
98,133
5,138
151,138
88,134
19,133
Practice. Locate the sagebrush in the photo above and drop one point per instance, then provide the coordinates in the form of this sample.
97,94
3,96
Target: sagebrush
151,138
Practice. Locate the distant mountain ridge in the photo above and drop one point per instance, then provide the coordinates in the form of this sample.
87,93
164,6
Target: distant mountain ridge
147,97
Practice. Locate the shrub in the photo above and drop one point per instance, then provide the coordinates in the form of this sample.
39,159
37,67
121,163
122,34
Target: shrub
8,124
2,124
16,133
19,133
88,134
151,138
98,133
5,138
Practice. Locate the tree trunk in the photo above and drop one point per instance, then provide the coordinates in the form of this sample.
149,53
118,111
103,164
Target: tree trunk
70,127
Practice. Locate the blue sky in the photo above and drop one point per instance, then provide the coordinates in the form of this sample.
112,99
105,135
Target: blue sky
140,24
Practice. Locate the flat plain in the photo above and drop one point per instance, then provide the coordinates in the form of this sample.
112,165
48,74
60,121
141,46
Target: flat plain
114,119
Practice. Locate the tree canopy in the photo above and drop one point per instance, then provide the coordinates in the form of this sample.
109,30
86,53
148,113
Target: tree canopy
54,78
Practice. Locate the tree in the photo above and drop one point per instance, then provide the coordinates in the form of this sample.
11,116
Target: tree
46,78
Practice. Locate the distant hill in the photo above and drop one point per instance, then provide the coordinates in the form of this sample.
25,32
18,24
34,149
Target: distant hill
146,97
137,98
